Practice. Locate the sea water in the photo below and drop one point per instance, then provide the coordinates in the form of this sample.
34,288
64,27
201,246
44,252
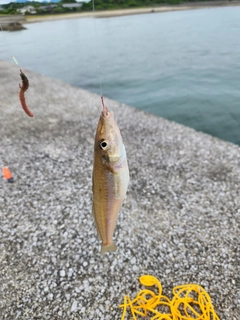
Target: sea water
182,65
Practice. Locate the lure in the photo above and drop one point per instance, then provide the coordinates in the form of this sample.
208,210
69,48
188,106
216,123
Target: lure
23,89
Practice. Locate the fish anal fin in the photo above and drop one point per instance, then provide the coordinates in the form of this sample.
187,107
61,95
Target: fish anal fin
95,222
108,247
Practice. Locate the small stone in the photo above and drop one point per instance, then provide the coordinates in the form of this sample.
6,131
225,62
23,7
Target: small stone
68,296
83,309
74,306
50,296
135,268
70,273
62,273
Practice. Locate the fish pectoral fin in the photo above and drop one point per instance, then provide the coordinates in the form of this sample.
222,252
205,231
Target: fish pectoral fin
109,167
108,247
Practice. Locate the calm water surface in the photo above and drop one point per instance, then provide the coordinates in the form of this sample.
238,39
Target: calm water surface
184,66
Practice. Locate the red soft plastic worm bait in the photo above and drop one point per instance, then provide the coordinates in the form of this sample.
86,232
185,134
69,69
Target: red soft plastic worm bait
23,88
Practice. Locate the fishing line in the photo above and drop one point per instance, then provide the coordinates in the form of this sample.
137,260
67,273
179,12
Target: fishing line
97,53
24,86
2,162
8,44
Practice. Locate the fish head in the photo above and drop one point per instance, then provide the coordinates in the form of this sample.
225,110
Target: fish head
108,140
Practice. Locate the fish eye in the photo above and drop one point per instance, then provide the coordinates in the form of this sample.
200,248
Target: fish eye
103,145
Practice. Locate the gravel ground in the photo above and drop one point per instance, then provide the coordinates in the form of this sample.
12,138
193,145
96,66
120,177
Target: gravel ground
180,221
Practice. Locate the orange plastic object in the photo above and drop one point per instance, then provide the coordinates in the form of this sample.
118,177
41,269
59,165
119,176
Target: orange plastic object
6,173
190,301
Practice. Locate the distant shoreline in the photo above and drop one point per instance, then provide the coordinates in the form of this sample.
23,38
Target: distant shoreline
124,12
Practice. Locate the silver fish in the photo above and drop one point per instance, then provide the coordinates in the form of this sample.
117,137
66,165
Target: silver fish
110,178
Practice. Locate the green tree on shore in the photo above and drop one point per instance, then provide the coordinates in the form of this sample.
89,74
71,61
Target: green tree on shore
118,4
11,8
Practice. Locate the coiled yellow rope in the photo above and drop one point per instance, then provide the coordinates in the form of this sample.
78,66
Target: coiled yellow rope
190,301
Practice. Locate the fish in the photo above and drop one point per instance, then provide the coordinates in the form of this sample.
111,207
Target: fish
110,178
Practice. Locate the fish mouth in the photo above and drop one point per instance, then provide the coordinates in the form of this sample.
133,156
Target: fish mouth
107,115
105,111
104,108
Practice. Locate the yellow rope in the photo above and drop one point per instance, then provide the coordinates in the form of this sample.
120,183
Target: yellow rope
190,301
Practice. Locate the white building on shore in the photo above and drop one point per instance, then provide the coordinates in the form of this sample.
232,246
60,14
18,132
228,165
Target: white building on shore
25,9
72,5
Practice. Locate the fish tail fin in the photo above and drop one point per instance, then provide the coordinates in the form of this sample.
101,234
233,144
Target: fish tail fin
108,247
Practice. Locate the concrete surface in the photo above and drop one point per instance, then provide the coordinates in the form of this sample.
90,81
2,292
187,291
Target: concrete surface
180,221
